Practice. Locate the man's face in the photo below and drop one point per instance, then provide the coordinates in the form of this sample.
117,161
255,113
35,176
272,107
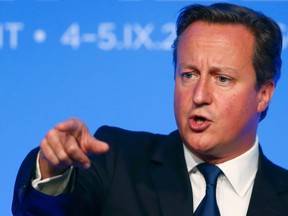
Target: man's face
217,106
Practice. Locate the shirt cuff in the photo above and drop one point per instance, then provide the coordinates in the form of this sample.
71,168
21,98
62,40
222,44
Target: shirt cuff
53,186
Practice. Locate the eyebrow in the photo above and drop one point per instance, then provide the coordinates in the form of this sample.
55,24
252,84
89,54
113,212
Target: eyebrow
212,69
187,66
224,69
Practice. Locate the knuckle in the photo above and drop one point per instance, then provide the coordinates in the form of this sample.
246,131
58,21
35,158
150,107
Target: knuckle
71,149
55,162
43,144
62,156
50,134
48,156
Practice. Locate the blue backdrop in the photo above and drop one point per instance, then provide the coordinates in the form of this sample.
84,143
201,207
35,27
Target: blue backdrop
106,62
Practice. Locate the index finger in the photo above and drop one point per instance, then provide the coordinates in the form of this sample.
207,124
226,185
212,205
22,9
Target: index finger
87,142
71,125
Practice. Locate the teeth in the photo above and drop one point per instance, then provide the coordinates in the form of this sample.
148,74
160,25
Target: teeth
199,121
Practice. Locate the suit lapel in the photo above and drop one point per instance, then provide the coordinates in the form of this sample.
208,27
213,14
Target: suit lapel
268,188
170,177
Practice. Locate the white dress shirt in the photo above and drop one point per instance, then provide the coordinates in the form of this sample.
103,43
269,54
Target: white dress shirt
234,186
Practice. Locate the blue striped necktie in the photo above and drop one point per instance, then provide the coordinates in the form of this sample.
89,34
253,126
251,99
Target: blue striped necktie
208,206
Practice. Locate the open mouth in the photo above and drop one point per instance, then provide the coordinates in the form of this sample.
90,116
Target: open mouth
199,123
199,120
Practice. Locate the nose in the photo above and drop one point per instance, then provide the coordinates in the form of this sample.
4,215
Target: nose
202,92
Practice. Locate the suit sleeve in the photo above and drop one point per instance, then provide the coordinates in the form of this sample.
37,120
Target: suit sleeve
86,197
27,200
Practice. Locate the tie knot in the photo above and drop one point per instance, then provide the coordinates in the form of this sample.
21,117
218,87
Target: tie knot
210,173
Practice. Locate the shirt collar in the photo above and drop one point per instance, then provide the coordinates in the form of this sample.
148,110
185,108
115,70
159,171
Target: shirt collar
240,171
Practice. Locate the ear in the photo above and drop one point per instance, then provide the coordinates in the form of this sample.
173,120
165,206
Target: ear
265,94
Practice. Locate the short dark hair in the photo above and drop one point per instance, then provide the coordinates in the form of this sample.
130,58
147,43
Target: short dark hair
268,38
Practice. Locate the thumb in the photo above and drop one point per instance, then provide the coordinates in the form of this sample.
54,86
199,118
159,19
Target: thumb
93,145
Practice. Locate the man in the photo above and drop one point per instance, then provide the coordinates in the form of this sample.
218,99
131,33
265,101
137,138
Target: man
227,62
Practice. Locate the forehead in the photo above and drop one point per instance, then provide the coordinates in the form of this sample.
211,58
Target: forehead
230,31
218,43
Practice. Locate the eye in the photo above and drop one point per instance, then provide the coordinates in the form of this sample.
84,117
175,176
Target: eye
223,80
188,75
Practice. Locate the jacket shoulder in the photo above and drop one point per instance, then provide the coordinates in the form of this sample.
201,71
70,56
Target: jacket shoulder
129,140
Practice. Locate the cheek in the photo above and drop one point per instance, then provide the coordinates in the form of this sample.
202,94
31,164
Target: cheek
182,105
177,105
240,109
250,103
182,100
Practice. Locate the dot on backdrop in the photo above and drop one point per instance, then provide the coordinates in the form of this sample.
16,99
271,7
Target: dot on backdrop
105,62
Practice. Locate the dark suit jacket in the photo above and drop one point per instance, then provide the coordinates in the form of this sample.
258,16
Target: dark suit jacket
143,174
